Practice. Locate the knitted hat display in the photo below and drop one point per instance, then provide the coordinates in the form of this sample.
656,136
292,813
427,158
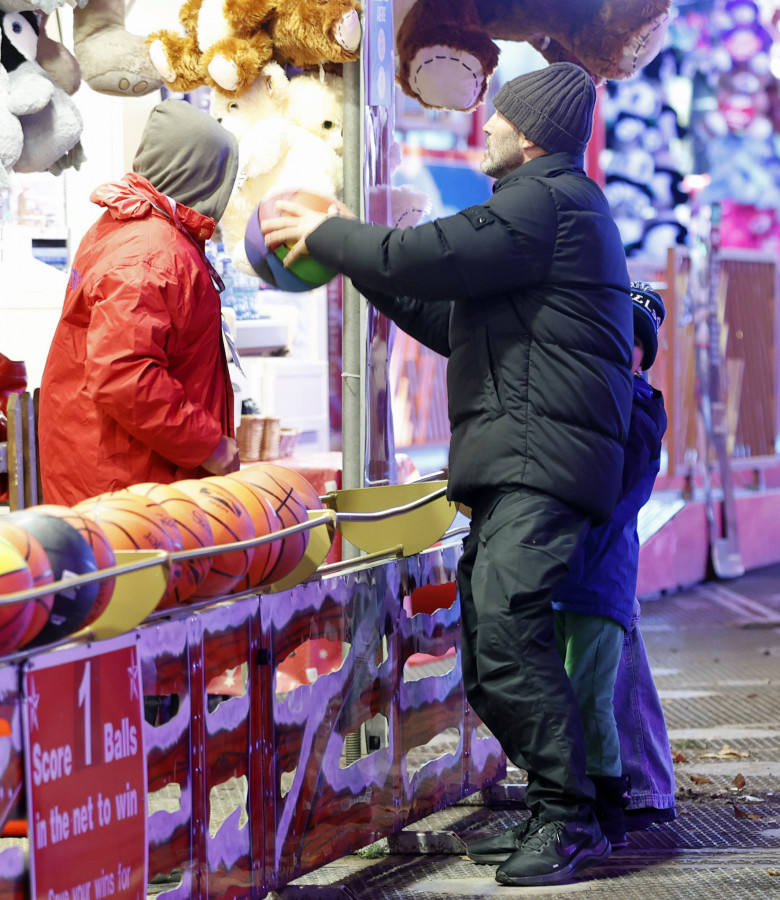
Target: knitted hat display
649,315
552,107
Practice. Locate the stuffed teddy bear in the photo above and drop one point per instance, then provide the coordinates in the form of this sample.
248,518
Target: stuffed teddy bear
446,54
108,57
226,43
289,137
51,122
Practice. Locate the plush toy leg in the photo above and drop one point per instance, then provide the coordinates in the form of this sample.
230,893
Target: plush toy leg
56,60
112,60
185,74
445,64
233,64
332,34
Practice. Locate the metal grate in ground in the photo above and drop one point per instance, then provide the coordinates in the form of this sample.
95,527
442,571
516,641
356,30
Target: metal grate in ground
714,652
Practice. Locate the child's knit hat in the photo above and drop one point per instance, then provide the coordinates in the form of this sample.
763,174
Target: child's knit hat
649,315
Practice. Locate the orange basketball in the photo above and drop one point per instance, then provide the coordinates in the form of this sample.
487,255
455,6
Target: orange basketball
40,568
146,506
265,521
290,502
194,529
15,576
130,524
304,488
100,546
230,522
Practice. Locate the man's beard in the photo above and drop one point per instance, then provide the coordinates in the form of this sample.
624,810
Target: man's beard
502,155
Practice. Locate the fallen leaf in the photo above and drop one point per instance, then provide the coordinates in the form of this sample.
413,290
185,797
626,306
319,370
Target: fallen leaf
739,782
680,757
699,779
742,814
773,871
725,753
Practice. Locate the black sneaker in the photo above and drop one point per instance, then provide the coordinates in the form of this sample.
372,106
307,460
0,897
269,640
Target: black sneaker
551,852
492,851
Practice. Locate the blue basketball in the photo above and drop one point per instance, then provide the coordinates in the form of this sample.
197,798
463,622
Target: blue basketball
305,273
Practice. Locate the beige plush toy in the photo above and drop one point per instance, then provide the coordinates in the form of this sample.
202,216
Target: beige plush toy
289,138
446,54
226,43
112,59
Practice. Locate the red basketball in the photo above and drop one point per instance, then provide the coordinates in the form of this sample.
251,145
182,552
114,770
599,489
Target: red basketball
100,546
230,522
130,524
40,568
265,521
291,500
194,529
15,576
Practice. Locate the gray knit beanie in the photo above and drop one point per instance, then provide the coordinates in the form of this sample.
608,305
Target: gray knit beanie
553,107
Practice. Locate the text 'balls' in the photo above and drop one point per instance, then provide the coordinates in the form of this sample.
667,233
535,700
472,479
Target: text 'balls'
132,523
69,555
15,576
265,521
305,273
100,546
194,529
290,506
230,522
40,569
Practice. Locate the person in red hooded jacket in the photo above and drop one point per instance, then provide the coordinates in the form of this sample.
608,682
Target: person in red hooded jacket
136,385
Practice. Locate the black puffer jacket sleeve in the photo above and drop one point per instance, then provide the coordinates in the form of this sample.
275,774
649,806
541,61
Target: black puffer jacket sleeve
474,255
427,323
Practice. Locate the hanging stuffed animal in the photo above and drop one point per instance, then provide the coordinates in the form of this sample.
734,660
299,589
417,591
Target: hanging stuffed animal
446,53
11,134
51,122
226,43
108,57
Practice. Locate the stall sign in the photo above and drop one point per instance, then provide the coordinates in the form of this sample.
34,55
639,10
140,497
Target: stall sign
379,51
85,773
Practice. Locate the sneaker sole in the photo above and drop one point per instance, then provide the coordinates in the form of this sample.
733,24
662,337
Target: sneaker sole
601,851
490,859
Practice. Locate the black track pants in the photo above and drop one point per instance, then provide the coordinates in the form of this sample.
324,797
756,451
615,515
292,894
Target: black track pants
514,559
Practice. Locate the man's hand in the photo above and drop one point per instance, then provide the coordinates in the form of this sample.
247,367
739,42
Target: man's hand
296,224
224,459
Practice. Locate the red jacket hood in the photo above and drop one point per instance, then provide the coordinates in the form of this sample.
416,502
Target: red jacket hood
135,197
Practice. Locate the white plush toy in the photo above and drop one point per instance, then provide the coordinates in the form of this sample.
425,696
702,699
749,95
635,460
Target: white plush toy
289,138
11,135
51,122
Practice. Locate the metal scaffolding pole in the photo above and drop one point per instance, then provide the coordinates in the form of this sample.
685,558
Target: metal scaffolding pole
353,342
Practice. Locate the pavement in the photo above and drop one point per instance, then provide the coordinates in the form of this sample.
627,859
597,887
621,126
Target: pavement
715,654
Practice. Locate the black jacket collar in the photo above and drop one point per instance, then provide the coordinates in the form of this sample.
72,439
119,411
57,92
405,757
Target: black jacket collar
544,167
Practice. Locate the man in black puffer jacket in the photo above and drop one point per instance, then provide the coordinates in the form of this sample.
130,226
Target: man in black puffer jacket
528,296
